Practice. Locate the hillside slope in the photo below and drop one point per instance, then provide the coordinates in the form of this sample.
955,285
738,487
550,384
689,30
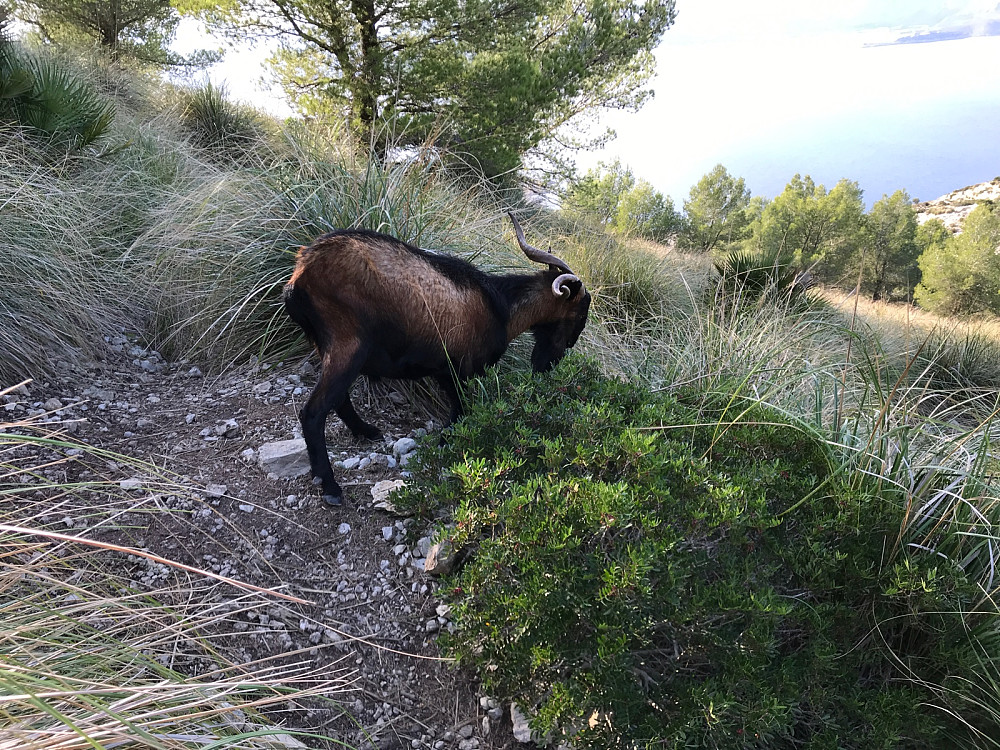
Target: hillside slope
956,205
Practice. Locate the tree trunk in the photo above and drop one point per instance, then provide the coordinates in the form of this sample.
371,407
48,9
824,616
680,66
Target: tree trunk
367,88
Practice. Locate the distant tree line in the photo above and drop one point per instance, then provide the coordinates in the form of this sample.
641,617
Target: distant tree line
882,252
612,196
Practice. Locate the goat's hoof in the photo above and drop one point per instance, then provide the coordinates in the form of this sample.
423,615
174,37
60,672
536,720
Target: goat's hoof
334,500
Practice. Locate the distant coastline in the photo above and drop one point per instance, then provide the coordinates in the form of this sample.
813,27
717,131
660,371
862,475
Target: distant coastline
968,31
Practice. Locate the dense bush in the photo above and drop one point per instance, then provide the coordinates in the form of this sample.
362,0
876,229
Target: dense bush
228,131
753,275
961,274
47,99
648,571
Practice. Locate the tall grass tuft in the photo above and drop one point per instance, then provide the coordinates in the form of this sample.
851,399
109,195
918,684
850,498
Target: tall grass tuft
54,306
225,130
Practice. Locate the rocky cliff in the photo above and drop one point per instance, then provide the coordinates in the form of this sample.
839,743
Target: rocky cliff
956,205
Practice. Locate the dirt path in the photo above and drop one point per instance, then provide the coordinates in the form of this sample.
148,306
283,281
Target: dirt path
373,614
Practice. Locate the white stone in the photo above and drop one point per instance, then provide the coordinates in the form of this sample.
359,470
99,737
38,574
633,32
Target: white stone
522,732
440,558
403,446
381,491
286,459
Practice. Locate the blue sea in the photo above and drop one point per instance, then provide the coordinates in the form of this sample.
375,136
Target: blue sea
927,148
924,117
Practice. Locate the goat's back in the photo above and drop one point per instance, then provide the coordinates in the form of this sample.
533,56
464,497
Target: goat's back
375,287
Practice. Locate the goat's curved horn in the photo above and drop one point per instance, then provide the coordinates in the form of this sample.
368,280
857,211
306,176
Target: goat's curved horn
533,253
560,285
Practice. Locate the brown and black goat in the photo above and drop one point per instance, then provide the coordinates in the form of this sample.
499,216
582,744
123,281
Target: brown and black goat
374,305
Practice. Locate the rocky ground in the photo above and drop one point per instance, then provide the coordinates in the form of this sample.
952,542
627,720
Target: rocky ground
373,615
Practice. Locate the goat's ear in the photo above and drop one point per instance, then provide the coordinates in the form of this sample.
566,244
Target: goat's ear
574,289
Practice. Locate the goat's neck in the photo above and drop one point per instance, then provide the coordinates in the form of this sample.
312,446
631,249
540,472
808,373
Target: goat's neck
530,299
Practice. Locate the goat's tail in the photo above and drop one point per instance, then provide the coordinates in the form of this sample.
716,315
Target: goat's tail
300,308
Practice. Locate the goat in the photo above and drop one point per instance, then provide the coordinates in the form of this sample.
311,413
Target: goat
377,306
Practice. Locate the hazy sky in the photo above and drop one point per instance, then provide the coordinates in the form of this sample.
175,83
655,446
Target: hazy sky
854,89
891,93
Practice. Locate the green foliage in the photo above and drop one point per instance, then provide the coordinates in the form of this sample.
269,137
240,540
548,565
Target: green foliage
751,275
964,365
225,129
816,229
489,80
611,195
140,30
847,618
716,212
654,570
890,272
43,96
961,275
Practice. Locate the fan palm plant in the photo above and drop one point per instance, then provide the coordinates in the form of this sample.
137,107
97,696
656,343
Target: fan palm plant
44,97
752,274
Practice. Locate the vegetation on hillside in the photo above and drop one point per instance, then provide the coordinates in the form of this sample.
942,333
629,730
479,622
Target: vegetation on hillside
742,518
611,196
136,30
882,253
491,81
695,570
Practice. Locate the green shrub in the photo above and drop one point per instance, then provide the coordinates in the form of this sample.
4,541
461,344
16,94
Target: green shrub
227,131
39,94
648,572
962,364
753,275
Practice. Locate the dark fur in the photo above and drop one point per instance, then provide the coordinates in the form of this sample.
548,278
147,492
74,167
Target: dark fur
374,305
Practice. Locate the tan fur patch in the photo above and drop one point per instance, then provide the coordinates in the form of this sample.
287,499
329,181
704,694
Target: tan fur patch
343,273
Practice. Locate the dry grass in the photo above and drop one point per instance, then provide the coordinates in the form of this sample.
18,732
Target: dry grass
903,326
90,659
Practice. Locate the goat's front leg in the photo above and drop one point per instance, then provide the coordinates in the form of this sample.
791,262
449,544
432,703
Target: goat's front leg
450,385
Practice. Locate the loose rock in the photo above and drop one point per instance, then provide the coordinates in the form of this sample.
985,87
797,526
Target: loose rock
381,490
403,446
440,558
286,458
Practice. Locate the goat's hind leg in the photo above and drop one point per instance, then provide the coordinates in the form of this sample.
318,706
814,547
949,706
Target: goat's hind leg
450,386
330,393
357,426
